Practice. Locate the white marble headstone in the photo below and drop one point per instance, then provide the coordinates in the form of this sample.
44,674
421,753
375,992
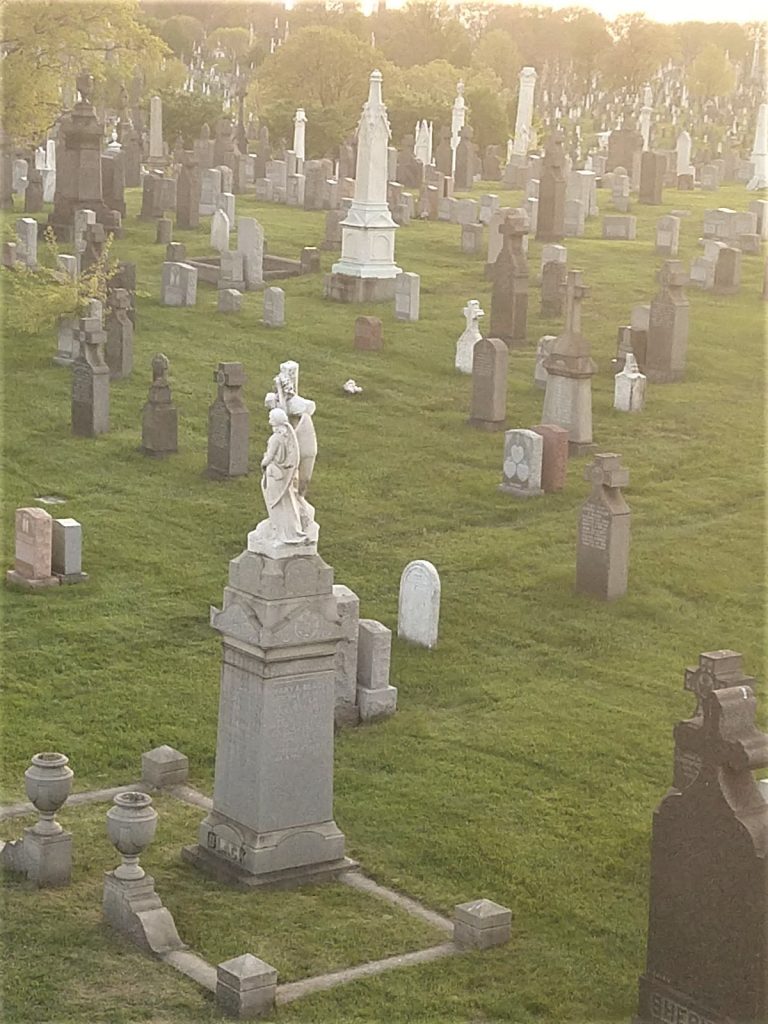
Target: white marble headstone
418,609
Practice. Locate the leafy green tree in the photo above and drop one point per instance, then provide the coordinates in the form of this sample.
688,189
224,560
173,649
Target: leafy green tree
234,42
487,109
182,33
711,73
185,114
498,53
640,48
45,44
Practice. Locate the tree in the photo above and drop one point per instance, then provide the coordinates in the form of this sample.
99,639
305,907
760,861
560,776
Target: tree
185,114
487,109
233,42
45,44
639,50
498,53
587,39
182,33
320,69
421,33
711,73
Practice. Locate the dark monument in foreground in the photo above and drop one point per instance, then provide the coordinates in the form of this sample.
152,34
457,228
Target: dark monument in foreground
707,959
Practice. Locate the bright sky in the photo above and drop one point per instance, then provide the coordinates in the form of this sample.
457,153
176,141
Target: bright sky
667,11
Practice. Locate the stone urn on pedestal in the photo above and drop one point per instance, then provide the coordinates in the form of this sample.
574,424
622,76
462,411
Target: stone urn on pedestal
131,826
48,784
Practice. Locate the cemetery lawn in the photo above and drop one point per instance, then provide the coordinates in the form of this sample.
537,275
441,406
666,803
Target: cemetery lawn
530,747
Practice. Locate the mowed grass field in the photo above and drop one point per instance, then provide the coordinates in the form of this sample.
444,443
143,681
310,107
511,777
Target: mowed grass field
530,747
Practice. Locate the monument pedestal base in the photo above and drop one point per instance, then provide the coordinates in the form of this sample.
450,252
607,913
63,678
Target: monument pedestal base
345,288
288,878
578,448
12,576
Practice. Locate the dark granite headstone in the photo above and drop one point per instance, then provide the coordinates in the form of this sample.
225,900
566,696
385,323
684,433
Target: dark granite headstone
119,347
652,169
159,419
466,160
707,953
509,299
490,363
228,424
188,192
550,218
90,381
602,553
667,340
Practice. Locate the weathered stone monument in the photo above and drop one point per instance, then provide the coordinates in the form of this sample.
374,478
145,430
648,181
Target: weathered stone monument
652,169
90,380
570,368
490,362
418,609
32,565
366,271
44,853
67,551
554,457
667,340
119,328
228,424
466,160
272,815
407,292
602,553
715,670
159,418
707,955
274,307
188,192
179,285
368,334
521,468
550,222
465,346
509,298
629,387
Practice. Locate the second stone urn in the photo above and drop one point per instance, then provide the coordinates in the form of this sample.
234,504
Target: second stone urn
48,784
131,825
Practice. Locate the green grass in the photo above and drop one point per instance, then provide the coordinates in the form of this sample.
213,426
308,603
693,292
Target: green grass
530,747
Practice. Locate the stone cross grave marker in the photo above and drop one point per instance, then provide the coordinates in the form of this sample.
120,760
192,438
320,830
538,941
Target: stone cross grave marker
90,380
602,555
159,418
228,424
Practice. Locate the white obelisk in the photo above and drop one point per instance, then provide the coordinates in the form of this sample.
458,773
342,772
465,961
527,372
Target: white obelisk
524,119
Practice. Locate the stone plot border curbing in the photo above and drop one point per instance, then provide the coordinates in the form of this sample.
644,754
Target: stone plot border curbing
246,987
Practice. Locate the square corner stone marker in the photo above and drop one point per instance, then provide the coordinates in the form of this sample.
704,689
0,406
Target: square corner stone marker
481,924
164,766
418,612
245,986
66,548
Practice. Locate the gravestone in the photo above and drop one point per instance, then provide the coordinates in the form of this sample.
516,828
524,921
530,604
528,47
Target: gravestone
602,553
309,260
509,298
220,226
230,300
550,218
228,424
418,608
490,361
188,192
32,565
376,698
164,231
620,227
668,235
495,238
407,289
159,418
90,380
521,468
210,189
26,244
716,670
554,457
179,285
489,204
543,350
67,551
553,280
345,675
33,197
570,368
230,271
471,238
629,387
707,957
653,166
225,201
119,329
250,242
176,252
667,338
465,346
368,334
273,314
575,216
466,160
158,195
727,279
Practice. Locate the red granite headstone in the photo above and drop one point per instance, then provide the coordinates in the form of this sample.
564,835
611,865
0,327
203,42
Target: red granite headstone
554,463
368,334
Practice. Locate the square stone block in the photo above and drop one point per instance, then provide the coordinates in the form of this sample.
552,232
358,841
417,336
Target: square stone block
481,924
164,766
375,704
245,987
